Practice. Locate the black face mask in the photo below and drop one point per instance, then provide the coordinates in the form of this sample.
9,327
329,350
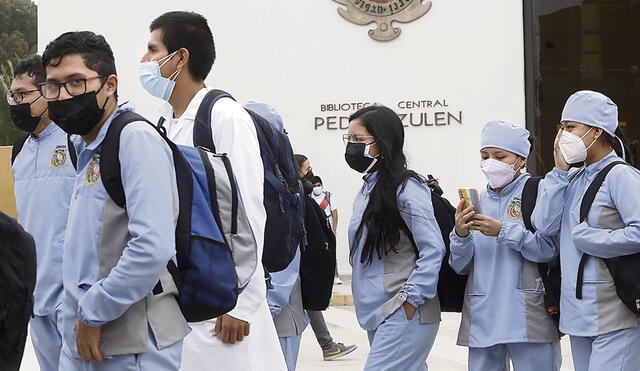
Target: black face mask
308,176
308,187
356,158
77,115
21,116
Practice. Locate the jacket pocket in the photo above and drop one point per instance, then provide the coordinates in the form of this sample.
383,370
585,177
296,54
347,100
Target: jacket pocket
596,282
389,274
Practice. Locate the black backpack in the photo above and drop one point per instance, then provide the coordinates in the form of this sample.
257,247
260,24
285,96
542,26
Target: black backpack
283,201
318,258
17,147
451,285
625,270
17,281
549,272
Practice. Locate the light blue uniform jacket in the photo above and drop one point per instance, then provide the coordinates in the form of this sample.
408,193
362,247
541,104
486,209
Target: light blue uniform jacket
44,177
612,229
113,258
504,298
285,300
381,287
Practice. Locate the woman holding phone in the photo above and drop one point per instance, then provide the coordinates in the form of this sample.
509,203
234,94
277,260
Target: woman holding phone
605,334
396,246
504,315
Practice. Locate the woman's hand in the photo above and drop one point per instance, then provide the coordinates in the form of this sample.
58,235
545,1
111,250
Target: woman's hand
486,225
464,219
560,162
409,310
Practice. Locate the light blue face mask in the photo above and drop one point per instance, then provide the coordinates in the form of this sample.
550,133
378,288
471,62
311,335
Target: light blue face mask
152,80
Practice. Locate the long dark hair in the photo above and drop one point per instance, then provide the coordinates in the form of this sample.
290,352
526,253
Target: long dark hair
619,146
382,216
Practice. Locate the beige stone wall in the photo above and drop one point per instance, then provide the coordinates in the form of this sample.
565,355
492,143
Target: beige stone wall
7,202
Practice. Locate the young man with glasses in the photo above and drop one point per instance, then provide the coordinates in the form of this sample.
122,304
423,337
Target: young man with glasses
113,257
44,177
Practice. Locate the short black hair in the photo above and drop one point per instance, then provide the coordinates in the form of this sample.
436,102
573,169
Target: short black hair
94,49
191,31
316,179
32,67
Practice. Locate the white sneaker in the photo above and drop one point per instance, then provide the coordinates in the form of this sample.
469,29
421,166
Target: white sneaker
337,281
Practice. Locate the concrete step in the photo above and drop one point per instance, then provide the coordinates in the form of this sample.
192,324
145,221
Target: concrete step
342,295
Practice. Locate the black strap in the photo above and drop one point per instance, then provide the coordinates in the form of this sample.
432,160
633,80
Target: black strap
585,206
17,146
109,156
528,201
160,125
202,135
71,148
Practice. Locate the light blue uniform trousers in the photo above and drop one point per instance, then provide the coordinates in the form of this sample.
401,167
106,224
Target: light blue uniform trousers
46,336
167,359
616,351
400,344
524,356
291,347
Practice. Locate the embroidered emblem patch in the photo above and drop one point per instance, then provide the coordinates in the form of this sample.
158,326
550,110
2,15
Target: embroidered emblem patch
59,157
514,210
93,171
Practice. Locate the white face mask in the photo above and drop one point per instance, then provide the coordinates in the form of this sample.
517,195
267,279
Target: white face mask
152,80
572,147
498,173
317,191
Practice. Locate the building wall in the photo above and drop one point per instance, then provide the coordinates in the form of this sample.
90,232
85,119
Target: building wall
7,201
301,56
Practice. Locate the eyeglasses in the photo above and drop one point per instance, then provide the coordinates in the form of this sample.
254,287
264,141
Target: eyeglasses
18,97
75,87
355,138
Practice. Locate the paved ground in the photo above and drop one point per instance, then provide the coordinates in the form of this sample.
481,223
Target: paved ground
344,328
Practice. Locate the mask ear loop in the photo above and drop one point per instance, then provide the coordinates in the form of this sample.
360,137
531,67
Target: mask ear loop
624,153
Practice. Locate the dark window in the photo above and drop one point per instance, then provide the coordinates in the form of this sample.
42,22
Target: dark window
573,45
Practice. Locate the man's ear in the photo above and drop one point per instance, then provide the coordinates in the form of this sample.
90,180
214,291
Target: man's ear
111,85
184,56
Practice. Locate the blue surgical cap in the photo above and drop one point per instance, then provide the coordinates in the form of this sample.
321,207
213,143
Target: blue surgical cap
267,112
593,109
506,135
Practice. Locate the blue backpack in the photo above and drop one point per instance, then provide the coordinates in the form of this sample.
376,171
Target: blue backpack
283,197
212,232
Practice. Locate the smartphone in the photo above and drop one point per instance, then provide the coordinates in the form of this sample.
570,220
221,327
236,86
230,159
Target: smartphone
470,198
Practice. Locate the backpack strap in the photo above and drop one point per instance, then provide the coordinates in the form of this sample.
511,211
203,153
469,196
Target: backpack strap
17,146
327,195
109,156
73,155
202,135
528,201
585,206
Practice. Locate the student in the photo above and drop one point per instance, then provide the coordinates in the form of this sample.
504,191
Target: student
326,200
605,334
44,175
330,349
180,54
285,304
17,281
113,258
504,314
395,243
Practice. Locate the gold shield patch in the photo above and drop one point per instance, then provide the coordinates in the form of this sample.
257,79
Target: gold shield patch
59,158
93,171
514,210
